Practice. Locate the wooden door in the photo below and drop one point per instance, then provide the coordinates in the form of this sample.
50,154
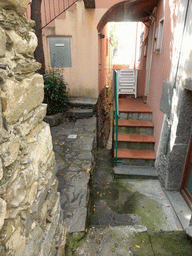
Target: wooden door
186,187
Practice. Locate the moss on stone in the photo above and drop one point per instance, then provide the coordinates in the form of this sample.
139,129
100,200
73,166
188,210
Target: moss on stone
74,241
171,243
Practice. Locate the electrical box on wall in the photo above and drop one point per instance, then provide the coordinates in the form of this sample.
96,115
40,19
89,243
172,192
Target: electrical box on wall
159,36
60,51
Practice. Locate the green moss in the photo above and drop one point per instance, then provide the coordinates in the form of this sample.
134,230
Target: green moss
141,245
74,241
171,243
121,197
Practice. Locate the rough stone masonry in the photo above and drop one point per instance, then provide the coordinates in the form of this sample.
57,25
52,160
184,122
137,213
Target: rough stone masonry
29,202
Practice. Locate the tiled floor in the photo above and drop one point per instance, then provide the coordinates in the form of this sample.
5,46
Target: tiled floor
133,105
135,154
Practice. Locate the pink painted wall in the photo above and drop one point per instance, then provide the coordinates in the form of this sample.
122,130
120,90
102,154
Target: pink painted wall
161,62
142,66
106,3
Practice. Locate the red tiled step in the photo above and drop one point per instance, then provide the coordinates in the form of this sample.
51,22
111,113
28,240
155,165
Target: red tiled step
135,154
134,123
133,105
136,138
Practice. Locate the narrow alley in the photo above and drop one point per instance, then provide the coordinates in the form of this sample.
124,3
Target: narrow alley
107,214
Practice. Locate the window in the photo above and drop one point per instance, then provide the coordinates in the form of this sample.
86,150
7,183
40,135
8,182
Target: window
159,36
60,52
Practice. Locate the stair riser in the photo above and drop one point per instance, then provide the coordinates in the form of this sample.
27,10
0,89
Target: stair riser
135,145
135,116
138,162
136,130
79,113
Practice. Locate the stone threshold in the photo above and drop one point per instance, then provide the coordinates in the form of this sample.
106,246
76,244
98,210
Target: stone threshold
136,171
180,207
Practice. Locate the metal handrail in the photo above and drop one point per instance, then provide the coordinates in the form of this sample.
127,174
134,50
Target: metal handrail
116,95
50,10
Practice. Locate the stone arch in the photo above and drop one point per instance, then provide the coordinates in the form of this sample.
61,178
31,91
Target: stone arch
130,10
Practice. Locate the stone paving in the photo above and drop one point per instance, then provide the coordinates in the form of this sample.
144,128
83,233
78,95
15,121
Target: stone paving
128,216
73,143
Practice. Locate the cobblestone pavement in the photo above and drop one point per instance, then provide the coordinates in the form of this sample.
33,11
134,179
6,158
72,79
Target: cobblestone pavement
73,143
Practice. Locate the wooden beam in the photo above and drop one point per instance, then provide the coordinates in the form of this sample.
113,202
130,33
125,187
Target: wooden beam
89,3
144,4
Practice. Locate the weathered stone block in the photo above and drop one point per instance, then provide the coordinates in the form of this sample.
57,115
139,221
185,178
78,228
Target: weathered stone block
1,169
176,166
21,45
55,120
16,243
26,126
9,150
33,241
23,97
43,193
2,212
16,192
26,68
19,5
31,194
3,40
51,228
76,219
40,147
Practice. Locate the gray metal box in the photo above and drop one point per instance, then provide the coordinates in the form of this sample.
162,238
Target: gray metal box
60,51
166,98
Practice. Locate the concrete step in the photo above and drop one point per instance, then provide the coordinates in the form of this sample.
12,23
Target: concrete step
133,145
81,102
135,157
137,138
116,219
136,141
79,113
135,116
135,127
136,171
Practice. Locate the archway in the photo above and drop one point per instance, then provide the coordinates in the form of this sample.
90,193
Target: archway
125,11
132,10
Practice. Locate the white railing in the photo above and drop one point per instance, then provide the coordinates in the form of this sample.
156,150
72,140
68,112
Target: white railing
127,81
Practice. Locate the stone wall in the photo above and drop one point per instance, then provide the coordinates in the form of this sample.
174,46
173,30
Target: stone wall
103,118
29,201
174,143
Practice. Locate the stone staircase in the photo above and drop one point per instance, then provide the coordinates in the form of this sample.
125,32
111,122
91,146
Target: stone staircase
81,108
135,139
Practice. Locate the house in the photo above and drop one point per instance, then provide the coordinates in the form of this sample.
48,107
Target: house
163,75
